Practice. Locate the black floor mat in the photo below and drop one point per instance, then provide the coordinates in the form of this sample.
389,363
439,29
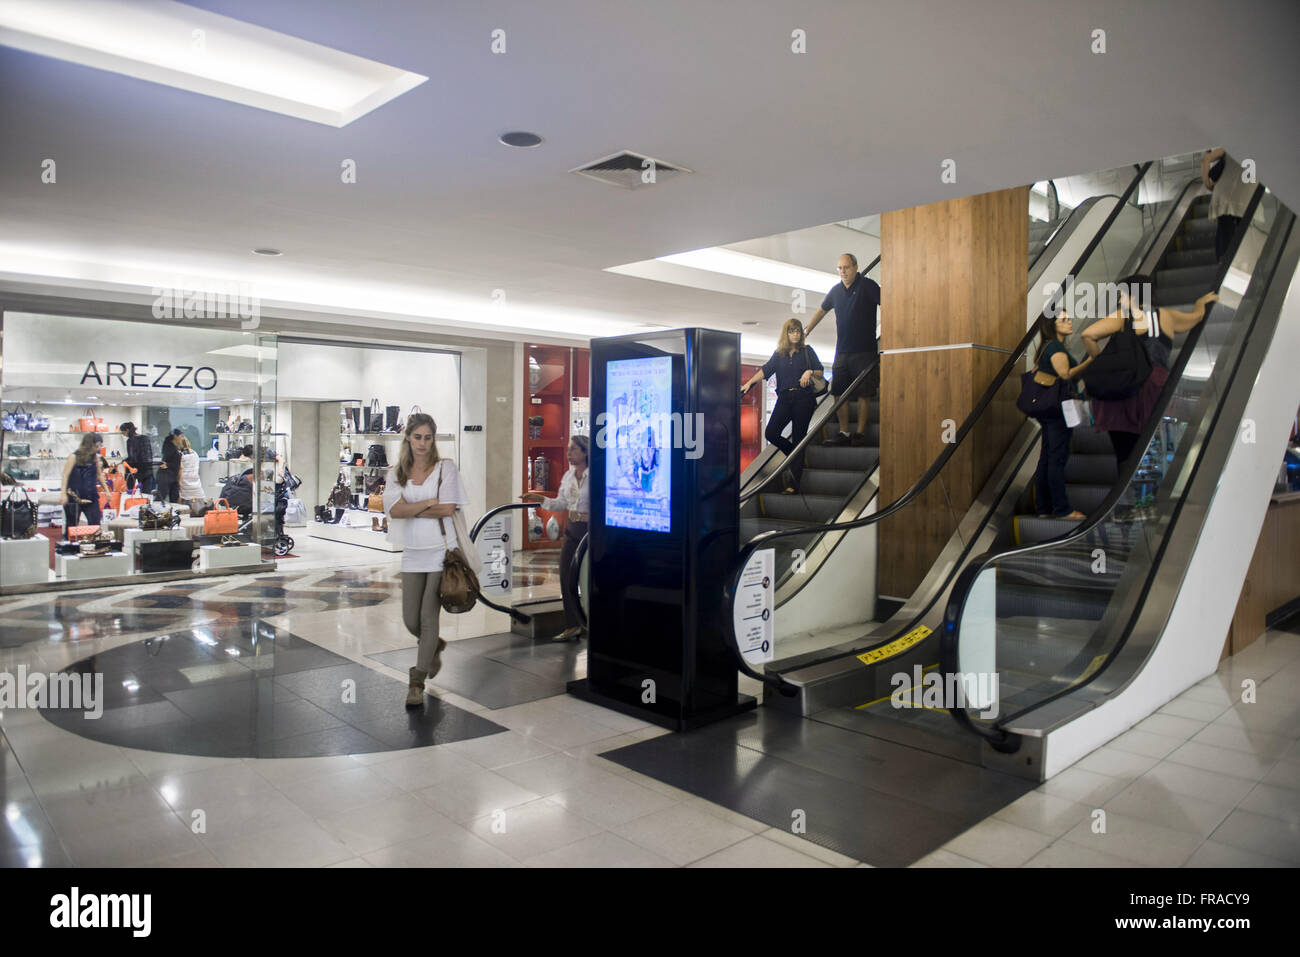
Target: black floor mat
870,799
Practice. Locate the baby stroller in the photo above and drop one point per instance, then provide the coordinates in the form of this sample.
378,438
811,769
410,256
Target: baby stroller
283,544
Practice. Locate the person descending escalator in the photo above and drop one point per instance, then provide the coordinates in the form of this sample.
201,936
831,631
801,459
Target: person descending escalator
796,366
854,299
1230,194
574,497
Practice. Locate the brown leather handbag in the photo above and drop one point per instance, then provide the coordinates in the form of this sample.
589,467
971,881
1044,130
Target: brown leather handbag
375,502
458,590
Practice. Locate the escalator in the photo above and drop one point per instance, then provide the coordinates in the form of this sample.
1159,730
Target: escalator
1044,604
839,483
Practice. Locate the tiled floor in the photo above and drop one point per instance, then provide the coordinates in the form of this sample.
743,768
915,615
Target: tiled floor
1207,781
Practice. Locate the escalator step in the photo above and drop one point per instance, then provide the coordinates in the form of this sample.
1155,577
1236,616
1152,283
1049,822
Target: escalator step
1090,441
831,482
1083,469
1028,529
802,508
1190,276
1015,601
860,459
1190,257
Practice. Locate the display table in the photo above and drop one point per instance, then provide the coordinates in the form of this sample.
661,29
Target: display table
132,535
25,561
361,535
213,557
104,566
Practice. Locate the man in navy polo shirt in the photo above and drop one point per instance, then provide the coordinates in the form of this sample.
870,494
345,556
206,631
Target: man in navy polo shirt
854,299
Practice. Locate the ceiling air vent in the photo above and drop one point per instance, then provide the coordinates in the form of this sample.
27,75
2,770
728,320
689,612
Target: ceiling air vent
630,170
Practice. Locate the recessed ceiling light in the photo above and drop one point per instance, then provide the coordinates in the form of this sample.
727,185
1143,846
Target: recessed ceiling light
731,263
521,140
178,45
267,251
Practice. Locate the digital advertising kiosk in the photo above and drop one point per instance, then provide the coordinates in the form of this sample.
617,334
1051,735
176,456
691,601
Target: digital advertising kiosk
664,530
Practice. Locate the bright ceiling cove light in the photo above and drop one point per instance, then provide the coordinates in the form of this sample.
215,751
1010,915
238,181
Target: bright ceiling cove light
731,263
178,45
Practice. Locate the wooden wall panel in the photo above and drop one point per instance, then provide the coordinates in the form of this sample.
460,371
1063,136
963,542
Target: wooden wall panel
952,273
1273,578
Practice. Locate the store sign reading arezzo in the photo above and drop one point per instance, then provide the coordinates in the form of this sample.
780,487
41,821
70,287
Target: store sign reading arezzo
752,608
151,375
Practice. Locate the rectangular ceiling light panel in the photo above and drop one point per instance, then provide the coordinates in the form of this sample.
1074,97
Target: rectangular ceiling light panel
732,263
191,49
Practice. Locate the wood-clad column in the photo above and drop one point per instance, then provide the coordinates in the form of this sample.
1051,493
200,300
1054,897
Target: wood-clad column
953,286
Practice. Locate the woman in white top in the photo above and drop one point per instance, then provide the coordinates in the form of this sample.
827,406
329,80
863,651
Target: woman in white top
191,487
575,496
421,490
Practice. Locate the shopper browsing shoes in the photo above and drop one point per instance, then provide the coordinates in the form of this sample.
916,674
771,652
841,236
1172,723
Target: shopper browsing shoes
575,497
854,299
421,490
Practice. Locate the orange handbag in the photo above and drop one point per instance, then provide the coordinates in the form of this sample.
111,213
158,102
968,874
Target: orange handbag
130,501
103,498
91,423
81,531
220,521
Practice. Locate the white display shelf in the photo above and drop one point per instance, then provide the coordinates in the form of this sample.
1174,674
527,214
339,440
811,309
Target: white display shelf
353,535
24,561
113,565
212,557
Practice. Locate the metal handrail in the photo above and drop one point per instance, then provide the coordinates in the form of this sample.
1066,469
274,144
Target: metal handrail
518,616
763,538
997,737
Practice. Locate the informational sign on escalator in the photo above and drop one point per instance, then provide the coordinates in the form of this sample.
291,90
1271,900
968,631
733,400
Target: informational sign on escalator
493,544
753,607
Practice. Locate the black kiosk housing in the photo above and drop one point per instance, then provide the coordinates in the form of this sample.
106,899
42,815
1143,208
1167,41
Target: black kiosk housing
662,541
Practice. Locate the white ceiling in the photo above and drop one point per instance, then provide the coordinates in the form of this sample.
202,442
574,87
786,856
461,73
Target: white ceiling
155,182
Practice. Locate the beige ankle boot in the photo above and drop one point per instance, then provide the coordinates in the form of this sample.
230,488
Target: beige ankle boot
415,690
437,658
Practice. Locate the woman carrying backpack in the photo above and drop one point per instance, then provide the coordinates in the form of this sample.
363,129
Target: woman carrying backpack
423,490
1124,418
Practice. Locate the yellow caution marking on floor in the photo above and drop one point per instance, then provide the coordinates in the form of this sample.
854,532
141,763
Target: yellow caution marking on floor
888,697
895,647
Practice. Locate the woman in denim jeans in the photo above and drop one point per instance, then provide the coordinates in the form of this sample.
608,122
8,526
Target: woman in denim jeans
1050,494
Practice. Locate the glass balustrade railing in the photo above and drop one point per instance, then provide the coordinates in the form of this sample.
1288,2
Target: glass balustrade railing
1027,625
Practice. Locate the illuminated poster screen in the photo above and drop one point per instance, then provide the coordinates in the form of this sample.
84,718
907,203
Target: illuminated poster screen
638,443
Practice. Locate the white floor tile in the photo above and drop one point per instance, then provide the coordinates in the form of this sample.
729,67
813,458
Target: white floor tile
384,823
1044,813
1137,841
472,795
758,851
682,833
599,850
1148,800
1273,801
1239,764
998,844
945,858
1260,834
1214,854
611,801
298,845
531,829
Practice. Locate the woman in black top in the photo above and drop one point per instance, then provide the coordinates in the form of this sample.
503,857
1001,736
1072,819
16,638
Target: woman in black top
1054,359
169,473
795,366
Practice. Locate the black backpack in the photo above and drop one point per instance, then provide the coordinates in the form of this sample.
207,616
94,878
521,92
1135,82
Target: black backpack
1124,366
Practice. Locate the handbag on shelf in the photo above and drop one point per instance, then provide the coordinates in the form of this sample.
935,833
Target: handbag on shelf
131,501
372,417
90,422
20,450
10,420
198,507
23,475
1041,394
377,457
17,515
221,519
375,502
392,418
375,481
458,589
340,495
152,519
36,422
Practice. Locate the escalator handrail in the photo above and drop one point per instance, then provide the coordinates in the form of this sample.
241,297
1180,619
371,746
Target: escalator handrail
745,496
922,483
951,631
514,613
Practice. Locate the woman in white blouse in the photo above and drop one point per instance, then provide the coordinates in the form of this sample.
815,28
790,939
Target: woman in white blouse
420,491
191,486
575,497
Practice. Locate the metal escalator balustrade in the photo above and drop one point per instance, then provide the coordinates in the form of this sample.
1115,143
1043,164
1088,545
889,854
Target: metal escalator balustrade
930,491
1050,617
